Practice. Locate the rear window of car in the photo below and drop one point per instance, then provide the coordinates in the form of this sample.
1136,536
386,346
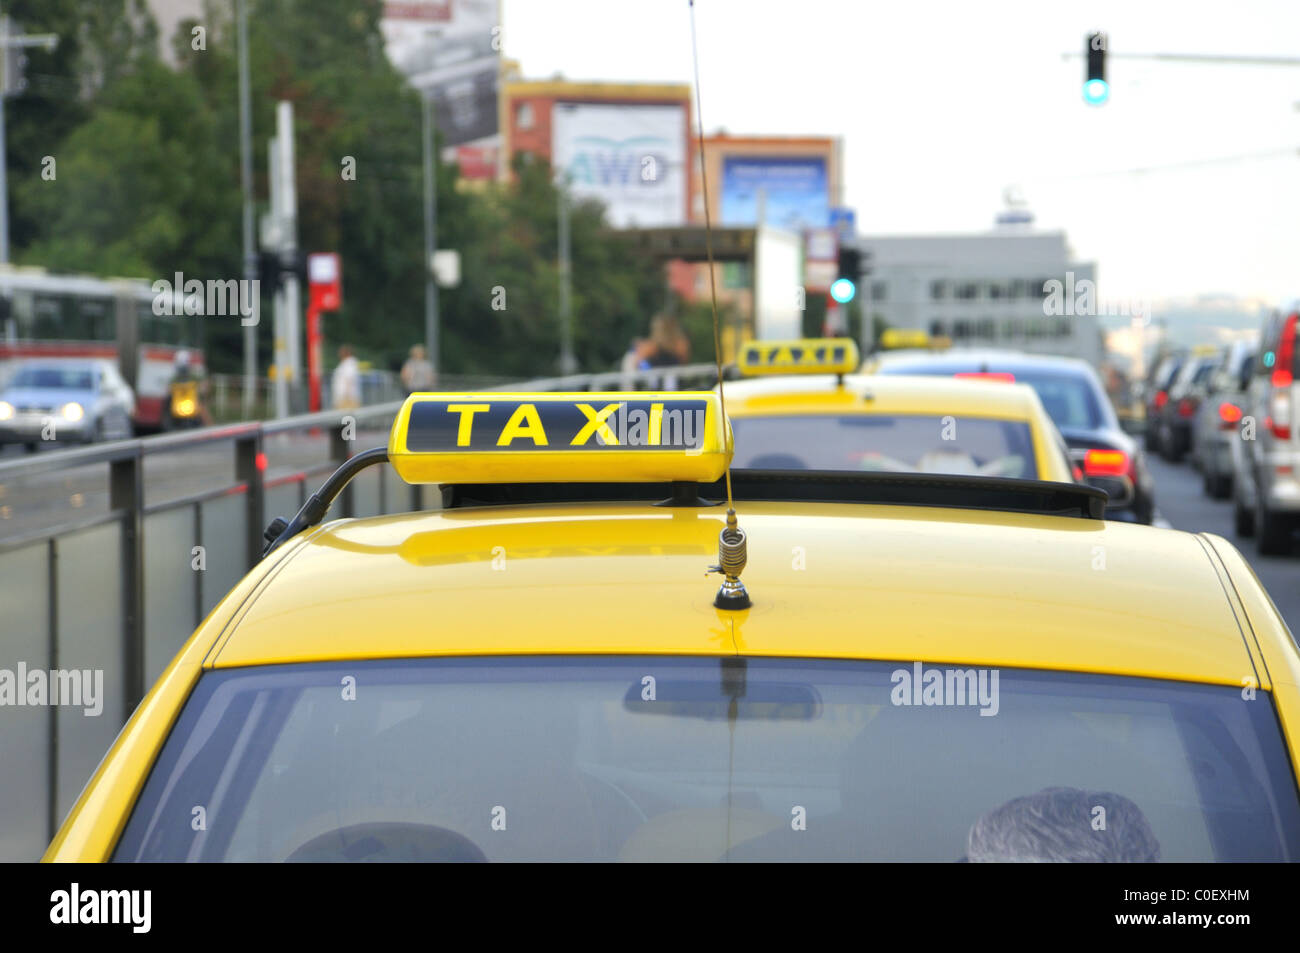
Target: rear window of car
661,758
1071,400
1240,362
1203,370
895,443
1164,375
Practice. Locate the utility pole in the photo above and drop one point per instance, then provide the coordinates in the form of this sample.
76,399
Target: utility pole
246,184
280,237
12,40
568,363
272,239
289,246
430,234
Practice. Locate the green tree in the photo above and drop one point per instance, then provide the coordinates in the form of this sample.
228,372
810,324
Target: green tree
99,40
148,184
140,187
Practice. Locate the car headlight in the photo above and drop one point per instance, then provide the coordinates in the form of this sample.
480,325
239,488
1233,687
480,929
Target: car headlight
6,410
72,412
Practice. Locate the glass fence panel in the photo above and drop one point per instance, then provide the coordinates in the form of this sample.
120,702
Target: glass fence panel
89,589
24,729
225,530
283,501
365,493
169,580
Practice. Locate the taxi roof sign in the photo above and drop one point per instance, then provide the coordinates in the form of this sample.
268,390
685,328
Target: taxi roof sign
586,437
807,356
892,338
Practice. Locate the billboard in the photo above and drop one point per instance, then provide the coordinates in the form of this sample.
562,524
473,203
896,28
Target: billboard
793,191
451,48
630,157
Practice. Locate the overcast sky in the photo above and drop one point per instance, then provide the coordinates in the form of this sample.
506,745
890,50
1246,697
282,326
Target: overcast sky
942,105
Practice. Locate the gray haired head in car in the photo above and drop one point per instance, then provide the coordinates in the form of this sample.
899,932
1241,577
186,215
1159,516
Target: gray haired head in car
1064,825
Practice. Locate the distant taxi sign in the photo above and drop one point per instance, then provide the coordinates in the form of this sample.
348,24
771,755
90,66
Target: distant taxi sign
596,437
809,356
892,338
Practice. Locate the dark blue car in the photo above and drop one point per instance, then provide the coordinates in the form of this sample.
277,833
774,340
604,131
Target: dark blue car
1074,397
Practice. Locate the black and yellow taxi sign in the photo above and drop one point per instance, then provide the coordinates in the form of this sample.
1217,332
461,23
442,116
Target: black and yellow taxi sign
899,338
588,437
810,356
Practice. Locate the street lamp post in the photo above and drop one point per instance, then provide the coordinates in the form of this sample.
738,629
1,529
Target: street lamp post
246,185
568,362
430,234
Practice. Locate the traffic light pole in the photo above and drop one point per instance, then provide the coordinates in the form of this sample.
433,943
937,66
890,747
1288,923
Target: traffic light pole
568,363
1201,58
430,233
246,185
4,187
866,331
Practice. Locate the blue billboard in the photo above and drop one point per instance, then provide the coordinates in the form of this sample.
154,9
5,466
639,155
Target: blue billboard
795,191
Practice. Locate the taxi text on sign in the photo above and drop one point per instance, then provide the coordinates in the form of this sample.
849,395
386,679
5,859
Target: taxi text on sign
815,356
541,438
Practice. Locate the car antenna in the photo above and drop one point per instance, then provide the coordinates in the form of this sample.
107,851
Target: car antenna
731,541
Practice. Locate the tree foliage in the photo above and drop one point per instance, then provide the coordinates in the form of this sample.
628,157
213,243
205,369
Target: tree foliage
148,184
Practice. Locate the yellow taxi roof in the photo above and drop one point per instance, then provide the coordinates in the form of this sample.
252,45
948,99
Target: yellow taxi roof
865,393
835,580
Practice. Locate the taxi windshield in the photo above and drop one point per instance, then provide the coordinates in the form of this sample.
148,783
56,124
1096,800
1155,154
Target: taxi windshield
897,443
655,758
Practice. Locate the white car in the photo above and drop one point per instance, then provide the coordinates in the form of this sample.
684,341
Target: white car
65,400
1266,470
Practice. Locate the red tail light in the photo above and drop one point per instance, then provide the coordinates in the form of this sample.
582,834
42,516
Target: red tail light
1106,463
1078,474
1229,415
1279,419
987,376
1162,398
1186,407
1282,370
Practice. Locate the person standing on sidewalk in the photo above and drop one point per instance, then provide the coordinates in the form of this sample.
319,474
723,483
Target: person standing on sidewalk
417,373
345,384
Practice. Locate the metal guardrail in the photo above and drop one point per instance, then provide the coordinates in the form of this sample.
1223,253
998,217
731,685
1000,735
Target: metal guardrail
60,546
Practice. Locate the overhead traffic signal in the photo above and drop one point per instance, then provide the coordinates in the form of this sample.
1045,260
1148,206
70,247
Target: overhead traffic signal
273,268
848,272
1095,88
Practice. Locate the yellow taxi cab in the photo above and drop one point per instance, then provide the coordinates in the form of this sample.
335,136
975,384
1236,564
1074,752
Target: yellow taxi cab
805,409
896,666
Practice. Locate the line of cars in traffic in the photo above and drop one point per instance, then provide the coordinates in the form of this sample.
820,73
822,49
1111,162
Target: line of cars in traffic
933,410
931,643
81,400
1232,413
